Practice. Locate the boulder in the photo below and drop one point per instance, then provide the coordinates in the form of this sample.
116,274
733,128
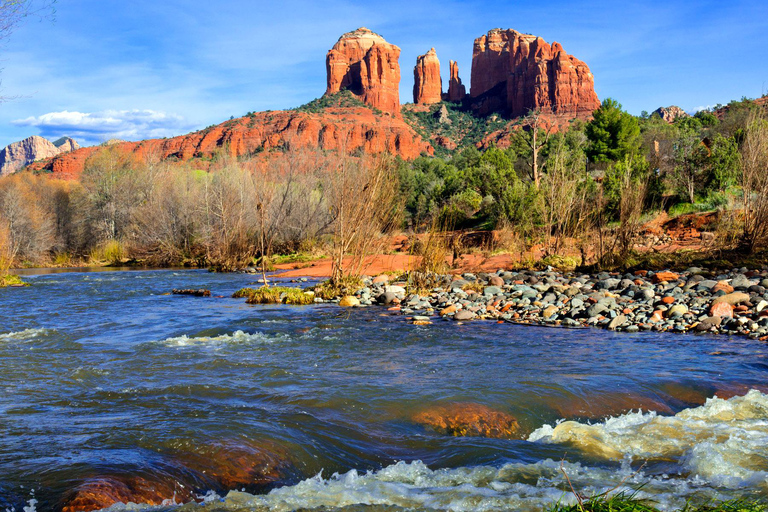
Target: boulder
721,309
665,276
470,419
349,301
102,492
463,315
670,114
733,298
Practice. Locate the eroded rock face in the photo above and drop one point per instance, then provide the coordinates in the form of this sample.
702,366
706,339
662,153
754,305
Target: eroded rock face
427,84
353,129
20,154
670,114
456,90
469,419
514,73
367,65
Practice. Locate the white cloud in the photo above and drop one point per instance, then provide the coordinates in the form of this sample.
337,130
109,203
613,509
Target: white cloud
95,127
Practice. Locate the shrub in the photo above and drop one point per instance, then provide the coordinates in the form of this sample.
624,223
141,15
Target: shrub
276,295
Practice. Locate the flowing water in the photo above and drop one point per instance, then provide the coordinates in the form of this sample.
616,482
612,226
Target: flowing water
104,375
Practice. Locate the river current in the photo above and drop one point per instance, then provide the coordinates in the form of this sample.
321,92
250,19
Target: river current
105,375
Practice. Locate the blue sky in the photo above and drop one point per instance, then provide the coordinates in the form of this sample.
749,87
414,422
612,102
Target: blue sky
105,68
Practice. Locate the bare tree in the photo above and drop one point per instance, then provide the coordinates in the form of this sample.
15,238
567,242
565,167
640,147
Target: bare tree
534,136
754,181
361,194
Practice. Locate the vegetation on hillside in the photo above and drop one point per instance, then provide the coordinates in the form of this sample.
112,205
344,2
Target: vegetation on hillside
585,191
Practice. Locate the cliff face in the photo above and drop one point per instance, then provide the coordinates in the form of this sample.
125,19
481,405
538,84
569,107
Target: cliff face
351,129
427,84
20,154
367,65
514,73
456,90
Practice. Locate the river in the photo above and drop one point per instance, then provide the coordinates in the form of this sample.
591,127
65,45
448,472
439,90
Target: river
106,376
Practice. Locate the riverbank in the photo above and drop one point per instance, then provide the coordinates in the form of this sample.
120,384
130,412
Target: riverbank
695,300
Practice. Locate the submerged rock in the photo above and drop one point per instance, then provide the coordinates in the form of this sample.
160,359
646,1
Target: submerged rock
101,492
469,419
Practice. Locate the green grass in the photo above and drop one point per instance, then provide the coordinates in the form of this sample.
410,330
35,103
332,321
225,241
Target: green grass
295,257
622,502
11,280
327,291
275,295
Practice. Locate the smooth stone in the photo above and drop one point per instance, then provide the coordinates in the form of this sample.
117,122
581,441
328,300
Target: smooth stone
463,315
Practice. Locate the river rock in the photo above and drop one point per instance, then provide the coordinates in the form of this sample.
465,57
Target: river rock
463,315
709,323
721,309
617,322
469,419
492,290
733,298
677,310
349,301
665,276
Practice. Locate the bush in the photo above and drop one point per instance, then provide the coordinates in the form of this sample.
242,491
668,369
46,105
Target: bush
111,252
276,295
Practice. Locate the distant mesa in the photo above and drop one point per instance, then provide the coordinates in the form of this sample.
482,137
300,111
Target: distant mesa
363,63
670,114
513,73
18,155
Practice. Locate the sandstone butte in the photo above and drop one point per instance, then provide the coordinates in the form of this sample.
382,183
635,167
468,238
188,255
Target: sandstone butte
456,90
365,64
20,154
427,84
513,73
354,129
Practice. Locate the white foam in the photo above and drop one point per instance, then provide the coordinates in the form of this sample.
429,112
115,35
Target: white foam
237,337
25,335
512,487
724,442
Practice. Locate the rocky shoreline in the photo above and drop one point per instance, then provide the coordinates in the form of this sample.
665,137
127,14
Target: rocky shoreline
697,300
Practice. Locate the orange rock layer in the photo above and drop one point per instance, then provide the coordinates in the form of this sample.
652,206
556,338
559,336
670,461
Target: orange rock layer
351,129
514,73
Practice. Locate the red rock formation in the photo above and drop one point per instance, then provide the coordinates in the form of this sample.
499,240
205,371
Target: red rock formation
427,84
474,420
514,73
352,129
364,63
456,90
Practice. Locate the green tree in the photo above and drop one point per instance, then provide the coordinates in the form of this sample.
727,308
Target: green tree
613,133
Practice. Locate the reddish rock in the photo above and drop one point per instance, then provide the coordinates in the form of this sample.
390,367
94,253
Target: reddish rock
234,465
660,277
335,128
721,309
722,286
367,65
427,84
668,300
469,419
515,73
456,90
445,142
670,114
102,492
